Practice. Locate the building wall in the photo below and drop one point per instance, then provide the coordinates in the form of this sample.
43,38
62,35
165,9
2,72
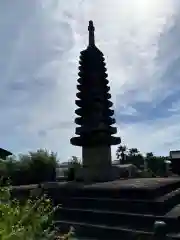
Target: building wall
175,161
175,155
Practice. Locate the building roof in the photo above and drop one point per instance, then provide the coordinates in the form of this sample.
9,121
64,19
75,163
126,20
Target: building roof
4,152
174,154
175,151
127,166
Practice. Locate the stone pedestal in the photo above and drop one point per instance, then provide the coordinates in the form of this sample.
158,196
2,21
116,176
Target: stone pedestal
96,165
96,157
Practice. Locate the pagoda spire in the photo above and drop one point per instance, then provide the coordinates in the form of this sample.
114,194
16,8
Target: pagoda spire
91,30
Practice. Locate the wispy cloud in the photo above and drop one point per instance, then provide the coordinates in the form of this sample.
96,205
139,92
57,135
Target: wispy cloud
40,44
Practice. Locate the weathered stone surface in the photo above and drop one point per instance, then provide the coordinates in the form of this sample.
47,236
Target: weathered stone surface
137,183
98,169
94,140
103,211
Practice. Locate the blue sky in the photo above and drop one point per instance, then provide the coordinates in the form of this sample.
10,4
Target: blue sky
40,44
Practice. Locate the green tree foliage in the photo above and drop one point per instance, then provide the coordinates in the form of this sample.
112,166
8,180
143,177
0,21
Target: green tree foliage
74,162
133,152
73,166
121,153
135,157
149,155
155,165
3,167
42,165
31,168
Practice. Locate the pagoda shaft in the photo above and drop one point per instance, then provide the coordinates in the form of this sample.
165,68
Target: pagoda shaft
96,163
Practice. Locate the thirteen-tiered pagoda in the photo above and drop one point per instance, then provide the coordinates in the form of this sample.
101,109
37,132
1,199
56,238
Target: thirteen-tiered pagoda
95,113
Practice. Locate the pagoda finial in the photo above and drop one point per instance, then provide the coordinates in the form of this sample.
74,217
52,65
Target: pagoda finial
91,33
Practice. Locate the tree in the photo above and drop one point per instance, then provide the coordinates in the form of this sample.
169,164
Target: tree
75,161
3,168
153,165
42,165
121,153
149,155
135,157
32,168
156,164
74,165
133,151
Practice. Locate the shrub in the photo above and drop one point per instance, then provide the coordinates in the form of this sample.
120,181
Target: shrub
32,168
30,221
41,166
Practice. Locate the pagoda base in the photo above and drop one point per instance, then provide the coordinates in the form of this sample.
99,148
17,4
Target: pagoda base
87,175
97,165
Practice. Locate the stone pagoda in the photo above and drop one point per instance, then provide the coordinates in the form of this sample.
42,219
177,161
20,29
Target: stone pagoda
95,115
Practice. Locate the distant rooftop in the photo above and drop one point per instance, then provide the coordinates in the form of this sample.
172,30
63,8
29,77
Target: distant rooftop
174,154
4,153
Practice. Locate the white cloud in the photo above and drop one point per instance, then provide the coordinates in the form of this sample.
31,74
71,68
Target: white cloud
40,69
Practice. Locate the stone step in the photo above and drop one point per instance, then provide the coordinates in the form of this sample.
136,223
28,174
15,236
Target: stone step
141,194
122,205
101,232
114,218
89,231
157,206
125,189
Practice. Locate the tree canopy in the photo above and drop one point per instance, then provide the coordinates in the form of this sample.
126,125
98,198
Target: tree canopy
156,165
31,168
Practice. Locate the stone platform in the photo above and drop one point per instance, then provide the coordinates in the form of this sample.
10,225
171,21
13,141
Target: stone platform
133,183
121,209
128,184
139,188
